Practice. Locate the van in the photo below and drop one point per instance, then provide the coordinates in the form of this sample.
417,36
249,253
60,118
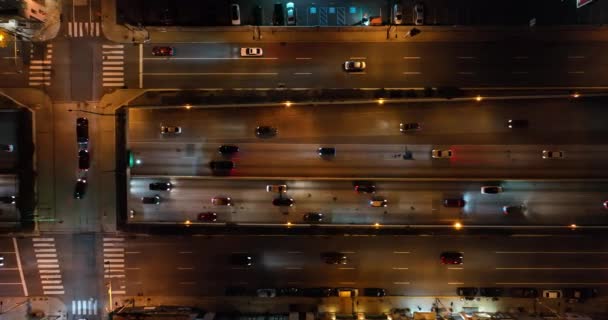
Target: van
278,17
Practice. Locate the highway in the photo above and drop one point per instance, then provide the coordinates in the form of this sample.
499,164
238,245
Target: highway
504,62
547,203
403,265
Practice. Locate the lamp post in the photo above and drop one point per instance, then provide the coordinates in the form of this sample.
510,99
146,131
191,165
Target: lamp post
109,284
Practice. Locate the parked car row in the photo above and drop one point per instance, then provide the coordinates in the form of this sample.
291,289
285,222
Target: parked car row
84,157
579,294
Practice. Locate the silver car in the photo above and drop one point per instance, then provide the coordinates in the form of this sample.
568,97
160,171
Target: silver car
418,14
354,66
397,14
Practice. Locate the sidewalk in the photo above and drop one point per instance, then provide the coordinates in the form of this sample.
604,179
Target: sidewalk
20,308
254,34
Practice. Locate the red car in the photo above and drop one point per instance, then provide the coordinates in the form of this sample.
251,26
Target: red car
207,217
451,257
163,51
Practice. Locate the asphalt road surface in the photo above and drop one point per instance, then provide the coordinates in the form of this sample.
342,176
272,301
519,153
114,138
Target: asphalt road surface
508,62
402,265
408,202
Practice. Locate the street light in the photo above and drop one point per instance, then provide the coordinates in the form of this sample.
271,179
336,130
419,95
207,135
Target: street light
107,262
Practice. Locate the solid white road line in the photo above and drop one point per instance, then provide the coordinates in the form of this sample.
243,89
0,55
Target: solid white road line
357,58
141,65
401,282
211,74
455,268
302,73
411,72
400,268
185,268
455,283
209,58
401,252
113,249
346,268
411,58
299,58
467,58
18,258
112,46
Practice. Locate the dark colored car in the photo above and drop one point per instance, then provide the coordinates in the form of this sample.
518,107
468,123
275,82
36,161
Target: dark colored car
151,200
207,217
221,165
374,292
283,202
334,258
318,292
491,292
410,127
517,124
163,51
80,188
266,131
235,291
451,257
7,147
365,187
241,259
221,201
453,203
467,291
84,160
289,292
278,16
161,186
327,151
514,210
8,199
313,217
227,150
258,15
523,292
491,189
82,130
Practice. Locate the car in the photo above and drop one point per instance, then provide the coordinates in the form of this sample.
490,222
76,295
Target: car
365,187
8,199
151,200
227,150
241,259
467,291
517,124
418,14
441,154
221,165
80,188
451,257
289,292
236,291
397,14
454,203
334,258
278,17
374,292
235,14
523,293
283,202
252,52
266,293
266,131
207,217
161,186
313,217
354,66
291,13
410,127
346,292
514,209
491,292
547,154
552,294
7,147
318,292
280,188
82,131
163,51
326,152
258,15
1,261
170,130
491,189
84,160
221,201
378,202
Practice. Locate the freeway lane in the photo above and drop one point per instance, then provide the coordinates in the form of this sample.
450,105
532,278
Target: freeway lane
403,265
408,202
390,65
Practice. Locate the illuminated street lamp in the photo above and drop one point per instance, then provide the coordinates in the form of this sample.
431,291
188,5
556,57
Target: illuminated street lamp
478,98
457,225
288,104
380,101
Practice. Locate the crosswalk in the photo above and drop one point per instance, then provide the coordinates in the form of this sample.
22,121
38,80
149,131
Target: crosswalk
84,307
114,264
113,71
48,266
84,29
40,69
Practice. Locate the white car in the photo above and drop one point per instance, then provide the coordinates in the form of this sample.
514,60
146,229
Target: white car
491,189
552,294
397,14
280,188
235,14
418,14
251,52
548,154
354,65
441,154
170,130
291,14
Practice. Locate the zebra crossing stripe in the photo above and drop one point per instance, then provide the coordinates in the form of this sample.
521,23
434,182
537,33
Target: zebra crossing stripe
43,239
